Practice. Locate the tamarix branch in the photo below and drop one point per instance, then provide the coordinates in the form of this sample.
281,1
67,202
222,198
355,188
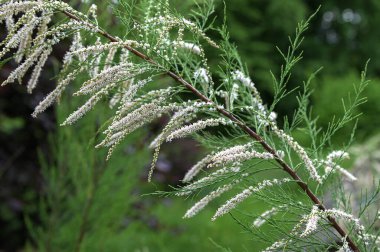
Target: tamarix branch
224,104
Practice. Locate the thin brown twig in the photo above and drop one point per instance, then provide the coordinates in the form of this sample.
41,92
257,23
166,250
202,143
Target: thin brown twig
245,128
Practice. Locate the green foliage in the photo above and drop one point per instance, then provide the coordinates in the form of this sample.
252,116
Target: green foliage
327,100
254,25
92,205
85,198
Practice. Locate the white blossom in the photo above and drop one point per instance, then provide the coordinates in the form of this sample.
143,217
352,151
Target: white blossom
20,71
240,157
208,198
133,87
197,126
233,202
212,177
232,150
195,169
300,151
202,75
20,35
145,110
312,222
338,155
76,44
37,70
9,22
56,93
80,112
189,46
14,8
345,247
275,246
100,48
331,165
360,229
238,75
108,76
259,221
110,57
138,119
336,213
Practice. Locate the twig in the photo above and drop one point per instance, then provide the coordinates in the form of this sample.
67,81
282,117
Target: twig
244,127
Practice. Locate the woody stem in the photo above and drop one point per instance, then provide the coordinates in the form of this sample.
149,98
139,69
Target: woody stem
244,127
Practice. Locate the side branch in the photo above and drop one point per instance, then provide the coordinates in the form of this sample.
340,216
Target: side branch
244,127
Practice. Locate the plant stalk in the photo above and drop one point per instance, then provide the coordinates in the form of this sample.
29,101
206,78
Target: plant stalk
244,127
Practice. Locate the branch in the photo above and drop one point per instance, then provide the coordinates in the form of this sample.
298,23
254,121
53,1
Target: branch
244,127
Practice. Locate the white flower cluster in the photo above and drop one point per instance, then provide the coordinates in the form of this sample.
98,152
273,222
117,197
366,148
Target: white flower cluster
157,30
56,93
134,120
331,165
315,216
195,169
128,104
367,238
238,75
259,221
185,113
300,151
338,155
223,158
196,49
16,7
38,46
234,150
23,34
37,70
35,16
312,222
211,178
135,113
293,233
240,157
109,76
277,245
161,24
202,75
197,126
79,113
96,49
208,198
76,44
339,214
232,203
345,247
132,87
263,116
229,96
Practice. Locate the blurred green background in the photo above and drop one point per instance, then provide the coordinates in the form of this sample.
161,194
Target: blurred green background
58,194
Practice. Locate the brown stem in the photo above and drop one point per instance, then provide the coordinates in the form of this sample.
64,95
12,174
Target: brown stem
245,128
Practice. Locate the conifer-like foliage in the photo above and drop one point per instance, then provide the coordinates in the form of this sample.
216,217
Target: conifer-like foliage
252,154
